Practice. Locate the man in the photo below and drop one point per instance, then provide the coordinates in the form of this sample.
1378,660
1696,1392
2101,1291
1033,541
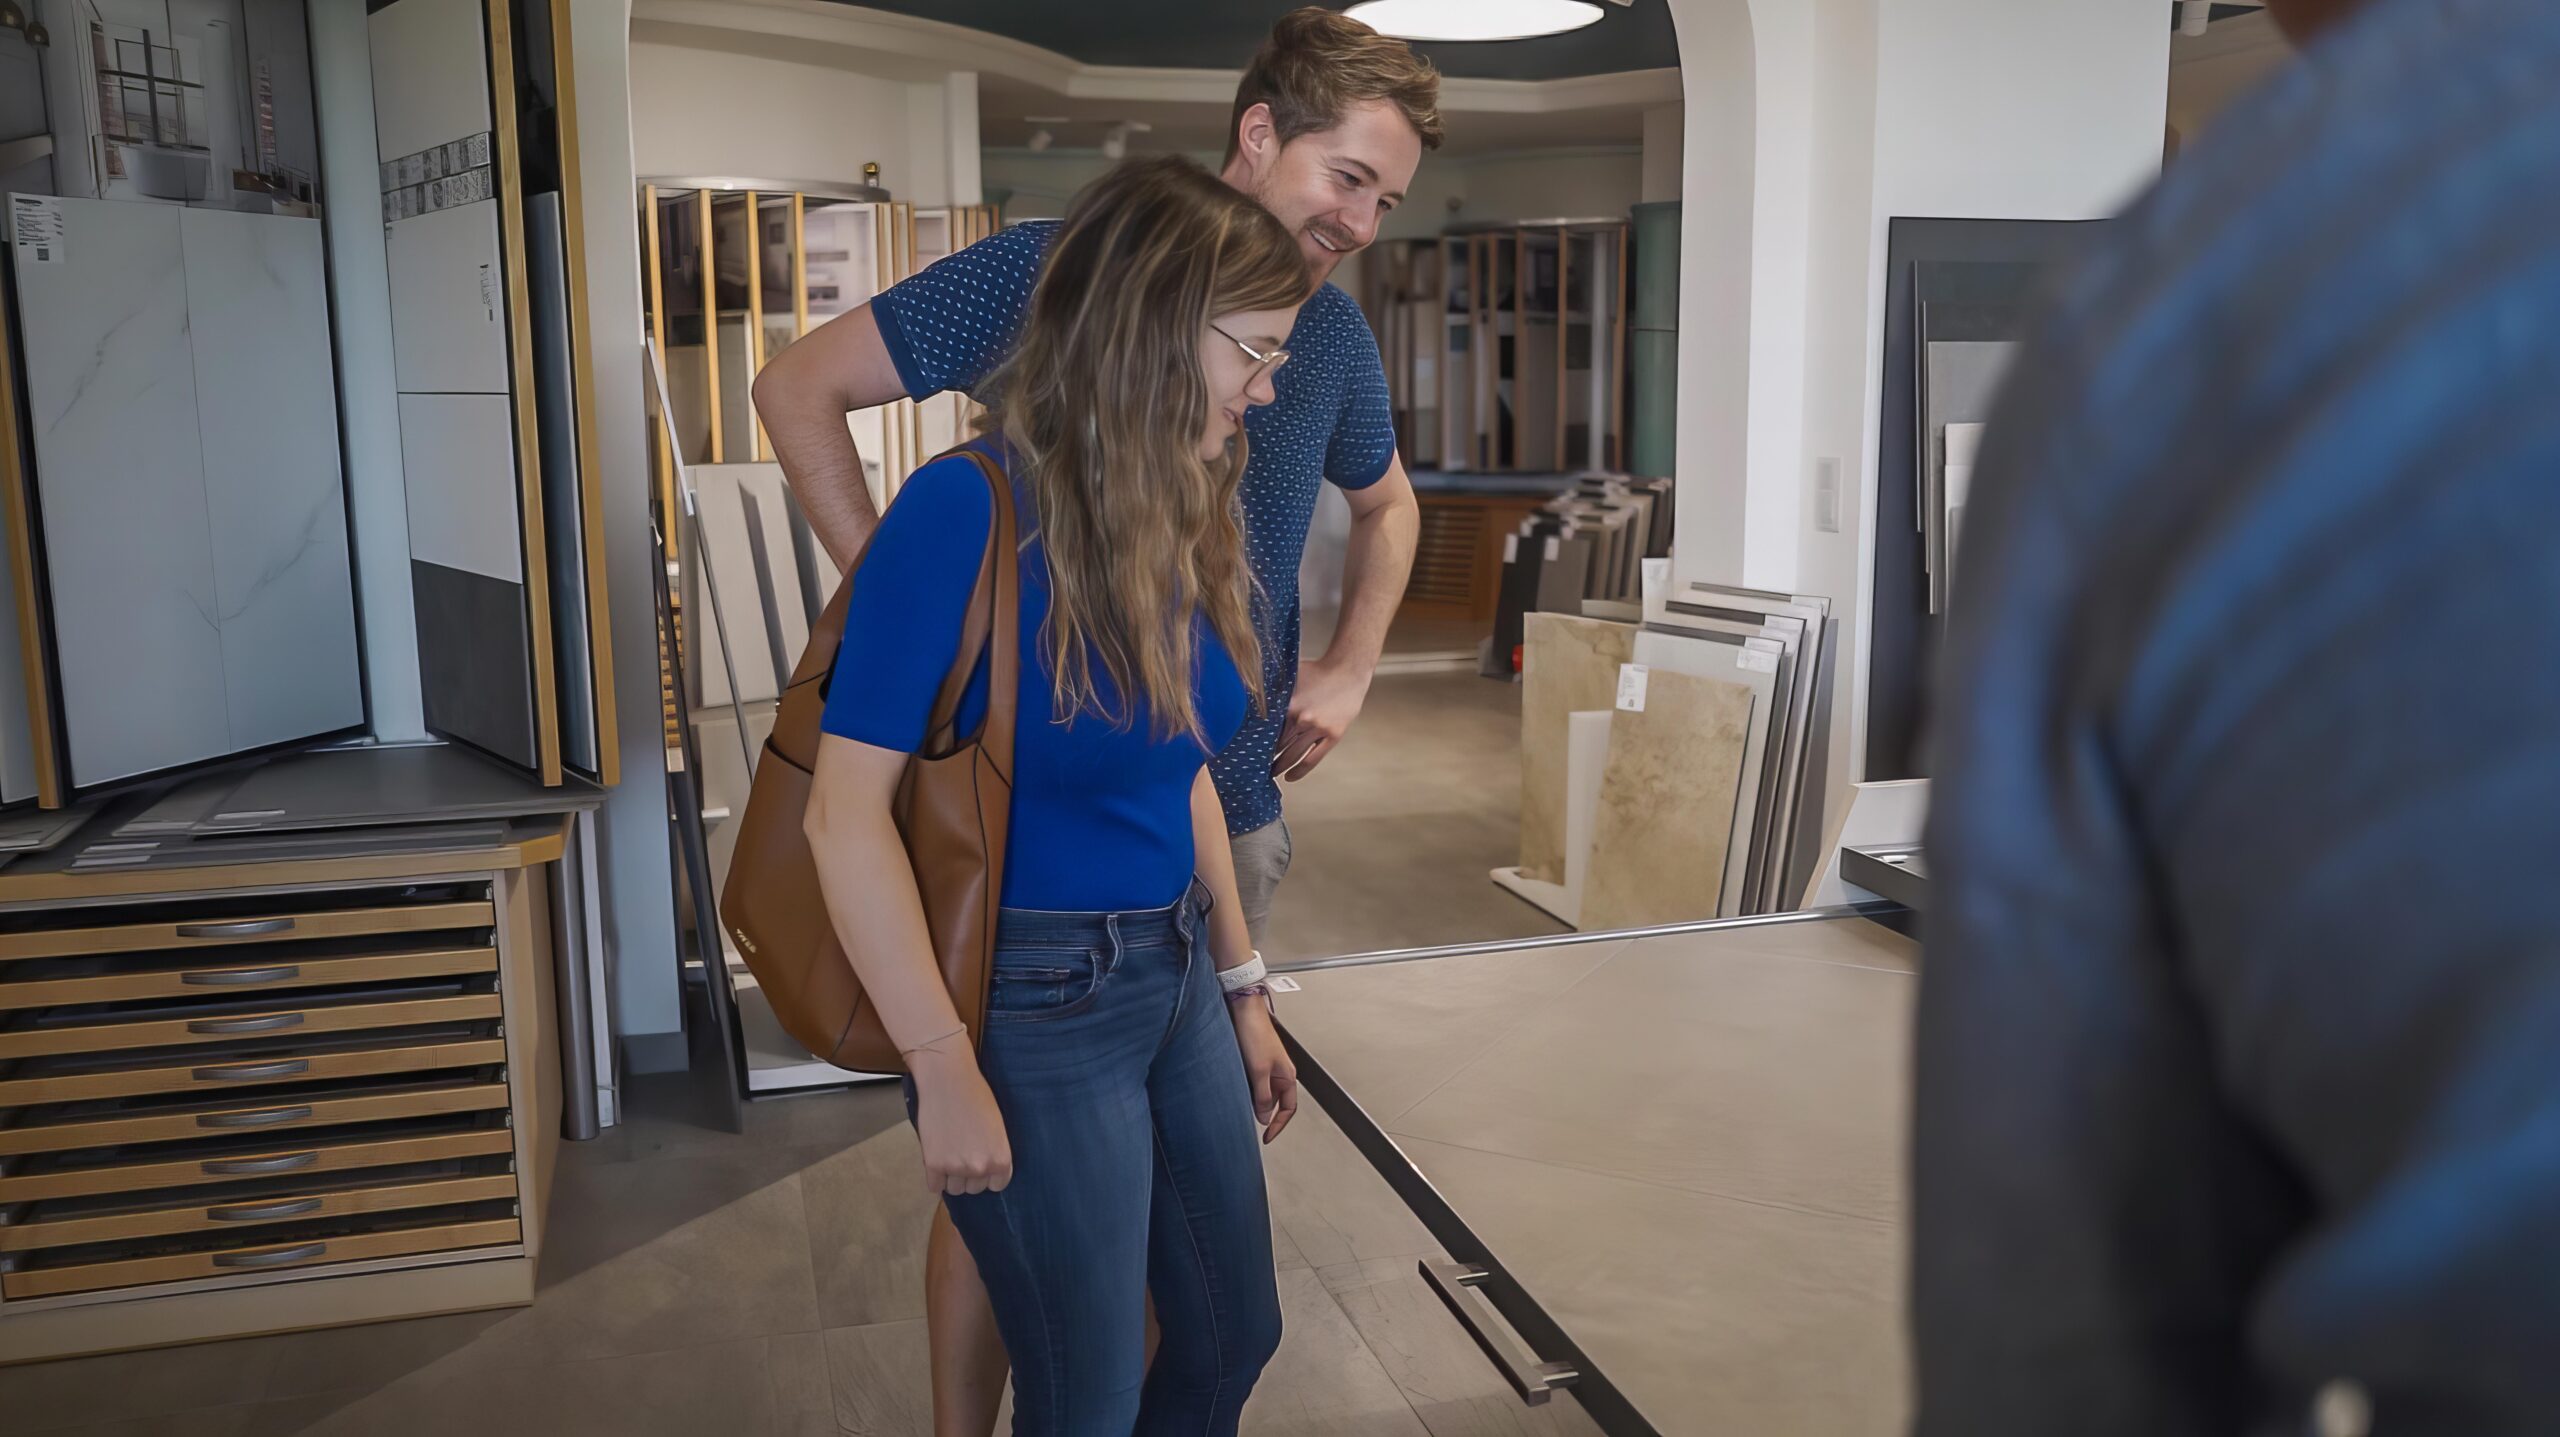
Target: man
2239,1041
1329,125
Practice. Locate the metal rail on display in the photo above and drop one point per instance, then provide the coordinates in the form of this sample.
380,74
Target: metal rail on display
1543,1358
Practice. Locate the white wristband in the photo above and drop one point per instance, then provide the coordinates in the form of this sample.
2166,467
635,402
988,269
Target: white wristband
1243,975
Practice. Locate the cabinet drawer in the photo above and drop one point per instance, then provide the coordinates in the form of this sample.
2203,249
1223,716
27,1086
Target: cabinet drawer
195,1165
38,984
252,1209
282,923
350,1241
181,1024
122,1122
229,1067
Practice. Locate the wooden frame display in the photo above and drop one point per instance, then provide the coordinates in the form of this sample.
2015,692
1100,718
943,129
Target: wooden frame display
17,513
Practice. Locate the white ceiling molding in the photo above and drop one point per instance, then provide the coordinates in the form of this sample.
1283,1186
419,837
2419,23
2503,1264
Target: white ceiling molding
848,37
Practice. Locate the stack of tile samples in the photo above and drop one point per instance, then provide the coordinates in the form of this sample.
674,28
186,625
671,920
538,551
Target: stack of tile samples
1671,771
1588,543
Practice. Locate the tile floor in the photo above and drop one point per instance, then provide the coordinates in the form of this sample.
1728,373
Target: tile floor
770,1284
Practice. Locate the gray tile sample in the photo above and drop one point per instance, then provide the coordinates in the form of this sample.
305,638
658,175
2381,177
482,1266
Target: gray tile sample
36,830
267,411
564,508
474,667
111,396
352,787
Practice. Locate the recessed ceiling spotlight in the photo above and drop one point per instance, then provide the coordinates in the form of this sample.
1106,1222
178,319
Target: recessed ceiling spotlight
1474,19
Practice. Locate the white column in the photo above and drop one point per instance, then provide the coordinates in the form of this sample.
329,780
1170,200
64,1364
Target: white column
960,136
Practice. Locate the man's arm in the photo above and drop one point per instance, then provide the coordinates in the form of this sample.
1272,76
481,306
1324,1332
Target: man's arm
1385,523
803,396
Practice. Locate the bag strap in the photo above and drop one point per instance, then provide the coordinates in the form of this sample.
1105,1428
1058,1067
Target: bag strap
993,628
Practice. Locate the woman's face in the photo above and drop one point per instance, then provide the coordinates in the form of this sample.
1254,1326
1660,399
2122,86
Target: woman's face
1236,380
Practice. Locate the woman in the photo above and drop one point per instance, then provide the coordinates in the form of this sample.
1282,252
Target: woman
1098,1147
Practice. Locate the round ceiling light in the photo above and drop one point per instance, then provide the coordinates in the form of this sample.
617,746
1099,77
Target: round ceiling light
1474,19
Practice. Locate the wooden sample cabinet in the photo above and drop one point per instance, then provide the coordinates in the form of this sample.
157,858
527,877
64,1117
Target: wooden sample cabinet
268,1096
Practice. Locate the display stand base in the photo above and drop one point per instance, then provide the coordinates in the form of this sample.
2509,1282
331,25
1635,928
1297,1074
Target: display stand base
1551,899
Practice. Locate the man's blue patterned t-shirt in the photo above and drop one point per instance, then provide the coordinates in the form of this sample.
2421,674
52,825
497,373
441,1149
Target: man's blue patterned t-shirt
950,326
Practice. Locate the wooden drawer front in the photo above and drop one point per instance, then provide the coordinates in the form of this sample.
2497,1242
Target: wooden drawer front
263,1022
281,1115
235,1262
251,1214
283,925
362,1056
263,1160
259,976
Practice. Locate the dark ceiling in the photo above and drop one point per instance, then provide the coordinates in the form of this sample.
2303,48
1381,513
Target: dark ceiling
1221,34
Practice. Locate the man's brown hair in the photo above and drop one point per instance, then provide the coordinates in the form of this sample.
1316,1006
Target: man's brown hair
1316,64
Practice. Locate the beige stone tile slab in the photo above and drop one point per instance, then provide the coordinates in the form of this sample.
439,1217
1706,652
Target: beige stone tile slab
1568,663
1713,1316
1665,822
1717,1069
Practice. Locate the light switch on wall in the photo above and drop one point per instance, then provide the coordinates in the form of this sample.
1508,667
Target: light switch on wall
1826,495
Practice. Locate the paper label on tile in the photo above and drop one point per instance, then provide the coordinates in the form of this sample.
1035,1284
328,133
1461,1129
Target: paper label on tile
1631,681
35,222
1657,579
1758,662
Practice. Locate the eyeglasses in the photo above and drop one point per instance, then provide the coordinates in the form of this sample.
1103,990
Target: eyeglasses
1269,360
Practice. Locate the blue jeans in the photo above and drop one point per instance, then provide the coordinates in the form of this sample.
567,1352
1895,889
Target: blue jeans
1137,1169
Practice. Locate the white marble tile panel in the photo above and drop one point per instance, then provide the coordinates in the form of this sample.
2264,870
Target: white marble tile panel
458,452
266,407
119,474
430,74
448,308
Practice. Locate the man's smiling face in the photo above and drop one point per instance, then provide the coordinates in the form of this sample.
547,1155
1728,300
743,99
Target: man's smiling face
1333,188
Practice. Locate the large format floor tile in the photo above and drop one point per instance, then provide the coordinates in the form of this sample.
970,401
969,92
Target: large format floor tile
1330,1203
869,1214
1325,1381
1774,1080
1713,1315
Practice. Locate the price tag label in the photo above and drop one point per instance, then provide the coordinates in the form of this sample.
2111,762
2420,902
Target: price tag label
1631,681
35,223
1758,662
1280,983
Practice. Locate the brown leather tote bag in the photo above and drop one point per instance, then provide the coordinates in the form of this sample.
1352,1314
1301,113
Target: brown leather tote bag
952,808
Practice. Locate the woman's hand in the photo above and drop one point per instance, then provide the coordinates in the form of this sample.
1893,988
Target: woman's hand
965,1147
1266,1065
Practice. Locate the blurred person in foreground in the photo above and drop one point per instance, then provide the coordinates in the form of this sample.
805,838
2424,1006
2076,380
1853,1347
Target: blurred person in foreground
2238,1095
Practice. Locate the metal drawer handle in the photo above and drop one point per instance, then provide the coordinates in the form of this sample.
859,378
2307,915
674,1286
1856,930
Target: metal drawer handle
253,1167
278,1257
243,977
267,1023
250,1072
245,928
1534,1380
265,1212
262,1118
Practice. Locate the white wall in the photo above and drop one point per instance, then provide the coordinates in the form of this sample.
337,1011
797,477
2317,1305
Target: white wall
1852,112
1663,127
702,112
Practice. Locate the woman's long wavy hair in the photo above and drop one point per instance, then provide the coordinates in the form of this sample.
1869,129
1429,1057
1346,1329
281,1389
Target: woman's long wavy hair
1102,406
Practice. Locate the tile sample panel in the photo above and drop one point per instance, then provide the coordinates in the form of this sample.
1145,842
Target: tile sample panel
563,498
458,451
111,394
266,407
448,308
1665,822
1569,664
1755,668
474,669
439,89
